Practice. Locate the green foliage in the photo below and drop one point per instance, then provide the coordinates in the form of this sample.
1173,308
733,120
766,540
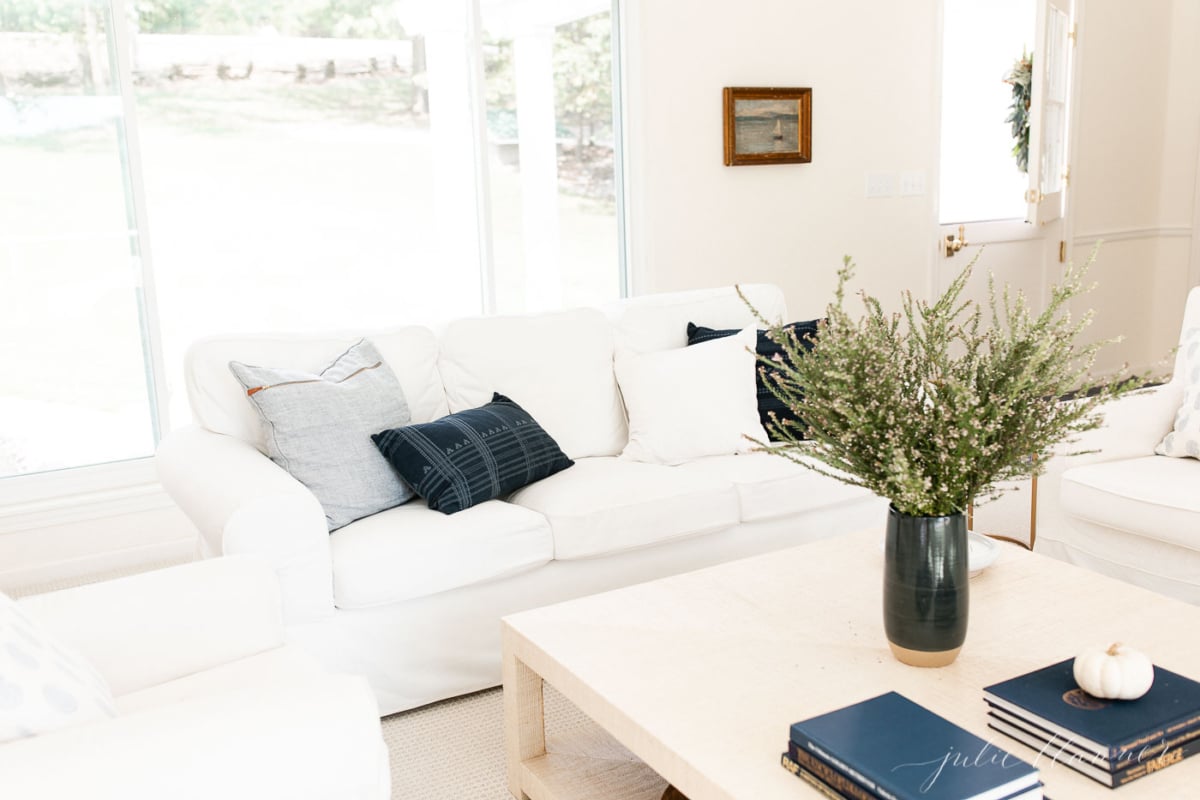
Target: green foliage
582,78
583,72
357,19
499,80
1021,78
930,407
360,19
43,16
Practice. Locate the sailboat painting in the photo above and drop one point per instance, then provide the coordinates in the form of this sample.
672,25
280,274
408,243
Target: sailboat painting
762,127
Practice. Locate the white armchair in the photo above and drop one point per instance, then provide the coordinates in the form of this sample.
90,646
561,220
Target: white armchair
210,700
1121,510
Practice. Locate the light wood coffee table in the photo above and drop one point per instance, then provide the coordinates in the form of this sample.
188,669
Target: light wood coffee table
700,675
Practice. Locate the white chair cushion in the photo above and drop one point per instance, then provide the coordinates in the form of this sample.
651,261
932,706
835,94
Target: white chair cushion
692,401
1153,496
219,402
605,505
270,667
557,366
659,321
411,551
44,685
298,739
770,486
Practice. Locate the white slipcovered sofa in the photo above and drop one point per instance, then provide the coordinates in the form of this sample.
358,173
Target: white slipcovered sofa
411,598
210,701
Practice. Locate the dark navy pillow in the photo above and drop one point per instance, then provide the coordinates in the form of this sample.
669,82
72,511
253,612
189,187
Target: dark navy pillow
806,332
473,456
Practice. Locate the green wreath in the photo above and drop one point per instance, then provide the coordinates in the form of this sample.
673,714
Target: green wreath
1021,79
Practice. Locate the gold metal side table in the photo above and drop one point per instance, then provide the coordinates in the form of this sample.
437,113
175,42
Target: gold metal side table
1032,516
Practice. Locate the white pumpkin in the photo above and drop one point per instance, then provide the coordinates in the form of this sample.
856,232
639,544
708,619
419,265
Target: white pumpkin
1116,672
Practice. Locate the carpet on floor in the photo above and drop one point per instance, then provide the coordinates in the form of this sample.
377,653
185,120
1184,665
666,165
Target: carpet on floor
454,750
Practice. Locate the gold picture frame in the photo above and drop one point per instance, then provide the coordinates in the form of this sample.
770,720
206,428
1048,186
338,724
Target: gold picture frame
767,125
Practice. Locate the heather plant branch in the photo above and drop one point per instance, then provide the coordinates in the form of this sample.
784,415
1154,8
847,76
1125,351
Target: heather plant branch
934,405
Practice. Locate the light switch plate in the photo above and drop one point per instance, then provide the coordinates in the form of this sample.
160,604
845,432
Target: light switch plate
881,184
912,183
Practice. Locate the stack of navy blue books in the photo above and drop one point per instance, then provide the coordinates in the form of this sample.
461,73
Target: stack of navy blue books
891,748
1111,741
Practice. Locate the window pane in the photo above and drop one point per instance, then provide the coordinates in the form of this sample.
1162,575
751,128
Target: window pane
551,154
73,390
308,167
979,176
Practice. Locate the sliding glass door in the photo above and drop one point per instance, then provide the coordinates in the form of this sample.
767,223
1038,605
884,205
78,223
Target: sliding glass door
75,386
305,165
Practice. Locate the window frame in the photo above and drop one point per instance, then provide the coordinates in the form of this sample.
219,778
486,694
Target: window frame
91,491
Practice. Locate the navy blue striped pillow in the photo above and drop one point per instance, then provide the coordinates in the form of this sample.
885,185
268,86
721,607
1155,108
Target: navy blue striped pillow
473,456
806,332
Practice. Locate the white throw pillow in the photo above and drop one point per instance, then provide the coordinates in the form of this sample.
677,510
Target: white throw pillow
1184,440
692,401
43,685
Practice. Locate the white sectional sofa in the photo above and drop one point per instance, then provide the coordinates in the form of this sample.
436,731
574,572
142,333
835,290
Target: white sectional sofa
410,597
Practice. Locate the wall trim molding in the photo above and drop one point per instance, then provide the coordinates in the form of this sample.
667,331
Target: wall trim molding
1134,234
82,507
1194,255
42,576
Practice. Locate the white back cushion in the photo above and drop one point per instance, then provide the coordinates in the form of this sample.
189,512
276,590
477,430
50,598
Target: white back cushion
656,322
219,402
557,366
690,402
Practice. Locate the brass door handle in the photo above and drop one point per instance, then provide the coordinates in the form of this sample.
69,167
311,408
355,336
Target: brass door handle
956,243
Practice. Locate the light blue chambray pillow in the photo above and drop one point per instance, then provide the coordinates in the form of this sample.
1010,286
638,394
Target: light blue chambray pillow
318,427
43,684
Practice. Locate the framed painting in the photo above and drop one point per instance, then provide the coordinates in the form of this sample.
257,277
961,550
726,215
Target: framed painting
767,126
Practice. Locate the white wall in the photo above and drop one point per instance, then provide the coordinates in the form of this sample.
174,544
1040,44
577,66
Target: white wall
699,223
871,66
1134,173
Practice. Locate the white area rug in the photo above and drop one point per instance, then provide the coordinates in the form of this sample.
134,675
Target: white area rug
454,750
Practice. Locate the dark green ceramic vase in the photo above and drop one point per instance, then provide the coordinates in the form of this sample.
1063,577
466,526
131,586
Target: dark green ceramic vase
925,587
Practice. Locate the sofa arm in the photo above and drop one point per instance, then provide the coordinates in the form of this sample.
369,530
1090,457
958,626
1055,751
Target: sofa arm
143,630
310,739
244,503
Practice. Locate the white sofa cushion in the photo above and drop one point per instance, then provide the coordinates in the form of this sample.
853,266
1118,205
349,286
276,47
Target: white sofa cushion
692,401
557,366
219,402
659,321
412,551
44,685
771,487
605,505
1153,496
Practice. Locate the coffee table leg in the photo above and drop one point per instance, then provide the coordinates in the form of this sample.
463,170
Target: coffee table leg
524,716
